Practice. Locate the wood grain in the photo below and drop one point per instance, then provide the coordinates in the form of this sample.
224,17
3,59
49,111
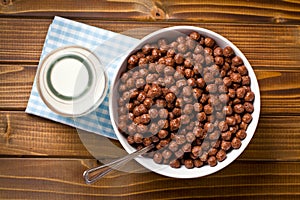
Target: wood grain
61,179
42,159
279,12
15,85
264,45
273,52
25,135
277,86
276,138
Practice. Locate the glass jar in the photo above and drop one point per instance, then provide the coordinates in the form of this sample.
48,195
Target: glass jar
72,81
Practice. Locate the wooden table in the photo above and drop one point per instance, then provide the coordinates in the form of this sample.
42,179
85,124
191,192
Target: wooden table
41,159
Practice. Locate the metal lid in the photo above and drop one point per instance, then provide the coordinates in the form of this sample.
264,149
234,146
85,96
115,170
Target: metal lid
71,81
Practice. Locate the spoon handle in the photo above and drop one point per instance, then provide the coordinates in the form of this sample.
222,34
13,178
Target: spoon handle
92,175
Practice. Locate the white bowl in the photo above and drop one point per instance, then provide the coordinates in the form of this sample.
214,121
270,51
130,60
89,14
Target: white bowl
171,33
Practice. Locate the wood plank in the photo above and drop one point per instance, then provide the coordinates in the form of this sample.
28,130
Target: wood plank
276,138
62,179
25,135
267,46
279,88
235,11
22,43
272,50
283,12
15,85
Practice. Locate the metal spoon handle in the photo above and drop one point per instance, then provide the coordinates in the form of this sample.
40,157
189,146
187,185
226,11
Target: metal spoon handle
92,175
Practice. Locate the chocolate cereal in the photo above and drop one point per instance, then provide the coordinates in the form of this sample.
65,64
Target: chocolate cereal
189,97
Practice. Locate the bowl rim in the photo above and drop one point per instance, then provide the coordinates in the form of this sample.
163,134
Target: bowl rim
181,172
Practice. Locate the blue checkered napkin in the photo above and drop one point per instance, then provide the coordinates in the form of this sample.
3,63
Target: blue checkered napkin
107,45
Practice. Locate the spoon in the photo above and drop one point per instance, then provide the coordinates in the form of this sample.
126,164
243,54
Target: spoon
92,175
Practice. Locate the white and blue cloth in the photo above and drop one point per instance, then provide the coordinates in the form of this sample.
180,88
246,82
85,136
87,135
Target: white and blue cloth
111,48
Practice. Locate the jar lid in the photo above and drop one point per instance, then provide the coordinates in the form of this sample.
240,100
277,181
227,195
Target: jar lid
71,81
